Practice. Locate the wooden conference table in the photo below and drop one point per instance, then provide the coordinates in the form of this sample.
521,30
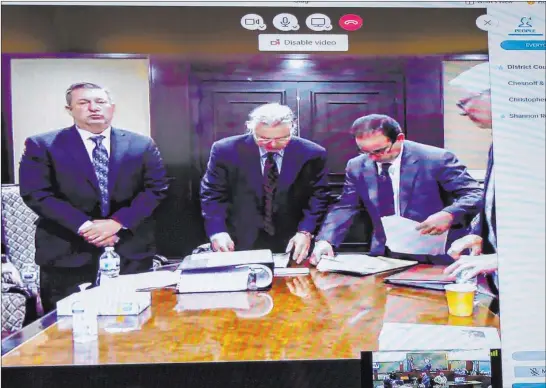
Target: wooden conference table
318,316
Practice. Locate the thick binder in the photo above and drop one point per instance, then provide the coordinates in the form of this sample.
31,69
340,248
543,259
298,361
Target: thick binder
226,272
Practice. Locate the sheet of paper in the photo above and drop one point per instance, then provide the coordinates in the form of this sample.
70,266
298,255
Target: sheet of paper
402,237
211,301
408,336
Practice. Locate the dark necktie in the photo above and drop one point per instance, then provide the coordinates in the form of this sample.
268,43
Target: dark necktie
385,191
271,176
100,163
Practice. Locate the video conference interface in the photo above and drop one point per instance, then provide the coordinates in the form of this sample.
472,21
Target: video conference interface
226,183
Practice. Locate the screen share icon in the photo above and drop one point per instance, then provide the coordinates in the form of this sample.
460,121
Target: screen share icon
318,22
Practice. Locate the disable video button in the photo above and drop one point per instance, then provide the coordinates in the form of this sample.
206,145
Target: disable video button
524,45
303,42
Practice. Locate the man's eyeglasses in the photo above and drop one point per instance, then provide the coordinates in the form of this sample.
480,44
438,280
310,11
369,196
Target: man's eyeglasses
463,103
379,151
272,139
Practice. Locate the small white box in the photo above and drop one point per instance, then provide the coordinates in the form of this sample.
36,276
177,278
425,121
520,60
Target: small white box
107,302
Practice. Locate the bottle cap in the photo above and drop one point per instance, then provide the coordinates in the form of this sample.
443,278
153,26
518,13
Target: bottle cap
108,249
78,307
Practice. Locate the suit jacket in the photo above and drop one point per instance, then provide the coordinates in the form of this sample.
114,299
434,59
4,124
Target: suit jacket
232,190
481,227
431,180
58,181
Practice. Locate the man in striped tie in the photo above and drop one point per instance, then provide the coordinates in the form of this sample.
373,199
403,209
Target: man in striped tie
92,186
266,189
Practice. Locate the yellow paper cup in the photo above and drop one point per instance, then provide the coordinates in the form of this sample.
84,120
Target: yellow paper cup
460,299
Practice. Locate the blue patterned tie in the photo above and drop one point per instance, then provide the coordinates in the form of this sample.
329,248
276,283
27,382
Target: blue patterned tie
100,162
386,192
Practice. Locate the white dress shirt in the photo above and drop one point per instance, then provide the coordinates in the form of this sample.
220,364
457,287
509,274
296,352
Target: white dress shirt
394,172
278,158
90,144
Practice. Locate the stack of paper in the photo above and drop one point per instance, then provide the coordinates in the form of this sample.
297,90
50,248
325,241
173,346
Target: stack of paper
361,264
417,337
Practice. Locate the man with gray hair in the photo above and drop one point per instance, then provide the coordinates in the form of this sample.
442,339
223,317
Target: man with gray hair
481,242
266,189
92,186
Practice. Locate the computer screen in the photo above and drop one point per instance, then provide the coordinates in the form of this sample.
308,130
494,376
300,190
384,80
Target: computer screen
369,144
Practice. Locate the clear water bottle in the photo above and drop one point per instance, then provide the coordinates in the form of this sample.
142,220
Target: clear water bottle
84,323
109,263
462,275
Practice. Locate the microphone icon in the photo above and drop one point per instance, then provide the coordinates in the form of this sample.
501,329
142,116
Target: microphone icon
285,22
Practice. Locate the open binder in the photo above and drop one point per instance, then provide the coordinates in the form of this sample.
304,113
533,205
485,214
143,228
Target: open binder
422,276
226,272
361,264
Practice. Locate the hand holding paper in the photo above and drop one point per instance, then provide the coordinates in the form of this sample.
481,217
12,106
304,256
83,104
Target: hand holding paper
437,223
404,237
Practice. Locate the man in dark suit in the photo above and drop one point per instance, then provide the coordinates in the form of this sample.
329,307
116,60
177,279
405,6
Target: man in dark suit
266,189
92,186
482,241
394,176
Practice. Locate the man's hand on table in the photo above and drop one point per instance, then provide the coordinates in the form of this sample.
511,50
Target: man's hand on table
222,242
300,243
322,248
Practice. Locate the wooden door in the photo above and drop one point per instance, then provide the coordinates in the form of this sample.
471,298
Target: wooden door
224,107
328,109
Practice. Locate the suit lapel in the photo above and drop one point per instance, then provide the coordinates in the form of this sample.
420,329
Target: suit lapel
290,166
75,147
251,164
119,144
369,172
408,172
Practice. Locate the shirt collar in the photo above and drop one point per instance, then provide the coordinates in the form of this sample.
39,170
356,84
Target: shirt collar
86,135
396,162
263,152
